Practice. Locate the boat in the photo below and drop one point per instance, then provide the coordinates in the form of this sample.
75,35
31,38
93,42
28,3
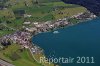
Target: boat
55,32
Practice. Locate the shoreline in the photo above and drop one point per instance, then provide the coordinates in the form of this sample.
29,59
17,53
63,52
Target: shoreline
69,25
24,38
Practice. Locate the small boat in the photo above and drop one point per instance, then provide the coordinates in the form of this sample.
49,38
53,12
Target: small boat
55,32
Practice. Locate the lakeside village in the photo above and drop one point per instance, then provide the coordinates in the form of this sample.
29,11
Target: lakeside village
24,37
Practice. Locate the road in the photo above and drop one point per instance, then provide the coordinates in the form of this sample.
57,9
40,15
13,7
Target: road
4,63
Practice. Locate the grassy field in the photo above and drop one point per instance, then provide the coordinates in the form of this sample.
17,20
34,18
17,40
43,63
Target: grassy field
54,11
45,10
24,59
5,32
13,55
6,14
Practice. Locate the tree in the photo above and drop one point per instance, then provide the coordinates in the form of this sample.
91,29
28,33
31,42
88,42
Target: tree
36,2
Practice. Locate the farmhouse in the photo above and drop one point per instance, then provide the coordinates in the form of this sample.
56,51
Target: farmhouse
27,23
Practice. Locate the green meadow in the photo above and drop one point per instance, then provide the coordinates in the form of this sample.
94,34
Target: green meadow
18,57
41,11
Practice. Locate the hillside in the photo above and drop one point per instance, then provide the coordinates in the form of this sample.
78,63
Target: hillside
91,5
15,13
13,54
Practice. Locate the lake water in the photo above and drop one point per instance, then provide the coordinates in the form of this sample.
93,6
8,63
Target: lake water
79,40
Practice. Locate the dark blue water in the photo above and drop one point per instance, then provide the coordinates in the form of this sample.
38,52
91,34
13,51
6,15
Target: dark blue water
78,40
